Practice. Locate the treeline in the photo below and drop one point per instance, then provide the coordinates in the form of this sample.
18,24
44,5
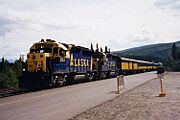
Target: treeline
9,73
175,66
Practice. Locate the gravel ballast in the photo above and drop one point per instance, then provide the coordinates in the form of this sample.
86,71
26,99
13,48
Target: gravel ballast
141,103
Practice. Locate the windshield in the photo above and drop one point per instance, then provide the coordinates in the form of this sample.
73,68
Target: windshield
45,49
41,50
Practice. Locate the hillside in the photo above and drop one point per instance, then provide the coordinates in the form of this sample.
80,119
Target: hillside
156,52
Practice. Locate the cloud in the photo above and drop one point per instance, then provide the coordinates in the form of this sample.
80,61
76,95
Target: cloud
5,25
118,24
168,4
144,37
29,15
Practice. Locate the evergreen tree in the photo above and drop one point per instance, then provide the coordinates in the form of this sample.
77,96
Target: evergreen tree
97,48
92,47
8,78
106,50
174,51
9,73
17,68
101,50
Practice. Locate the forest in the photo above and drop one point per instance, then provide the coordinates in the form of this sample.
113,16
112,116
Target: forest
9,73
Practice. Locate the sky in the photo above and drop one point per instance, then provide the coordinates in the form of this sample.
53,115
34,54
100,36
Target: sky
119,24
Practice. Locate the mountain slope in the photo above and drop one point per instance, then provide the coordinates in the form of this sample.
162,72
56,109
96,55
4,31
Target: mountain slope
155,52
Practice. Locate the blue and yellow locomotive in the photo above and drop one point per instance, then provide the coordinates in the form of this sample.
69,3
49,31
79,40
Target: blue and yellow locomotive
51,63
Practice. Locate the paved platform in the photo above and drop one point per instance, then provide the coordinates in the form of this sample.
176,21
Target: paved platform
65,102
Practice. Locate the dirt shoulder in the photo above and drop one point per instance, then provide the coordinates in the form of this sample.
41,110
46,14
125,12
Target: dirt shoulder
141,103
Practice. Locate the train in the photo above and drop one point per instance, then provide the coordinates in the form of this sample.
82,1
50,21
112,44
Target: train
50,64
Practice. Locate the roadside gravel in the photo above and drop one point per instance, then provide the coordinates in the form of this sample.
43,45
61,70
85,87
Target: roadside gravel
141,103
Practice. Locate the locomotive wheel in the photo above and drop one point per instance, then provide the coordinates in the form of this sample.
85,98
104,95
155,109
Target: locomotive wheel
52,82
69,79
116,73
60,81
89,77
104,75
100,76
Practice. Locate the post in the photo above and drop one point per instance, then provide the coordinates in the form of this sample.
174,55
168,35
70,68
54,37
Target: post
161,86
162,94
122,82
118,81
160,74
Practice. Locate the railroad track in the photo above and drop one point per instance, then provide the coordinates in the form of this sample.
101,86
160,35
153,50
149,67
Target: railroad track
12,91
16,91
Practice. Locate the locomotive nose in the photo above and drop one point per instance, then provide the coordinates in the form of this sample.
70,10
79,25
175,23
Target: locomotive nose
35,62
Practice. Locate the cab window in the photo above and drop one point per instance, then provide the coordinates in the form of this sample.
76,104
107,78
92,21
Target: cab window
33,51
47,50
41,51
62,53
55,50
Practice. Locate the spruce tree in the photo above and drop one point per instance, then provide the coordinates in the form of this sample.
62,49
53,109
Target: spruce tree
174,51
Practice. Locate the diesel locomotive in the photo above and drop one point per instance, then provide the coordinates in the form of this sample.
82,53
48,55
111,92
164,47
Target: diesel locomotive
50,63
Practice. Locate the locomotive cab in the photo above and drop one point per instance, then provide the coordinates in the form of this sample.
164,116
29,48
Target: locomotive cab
43,59
36,58
43,53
